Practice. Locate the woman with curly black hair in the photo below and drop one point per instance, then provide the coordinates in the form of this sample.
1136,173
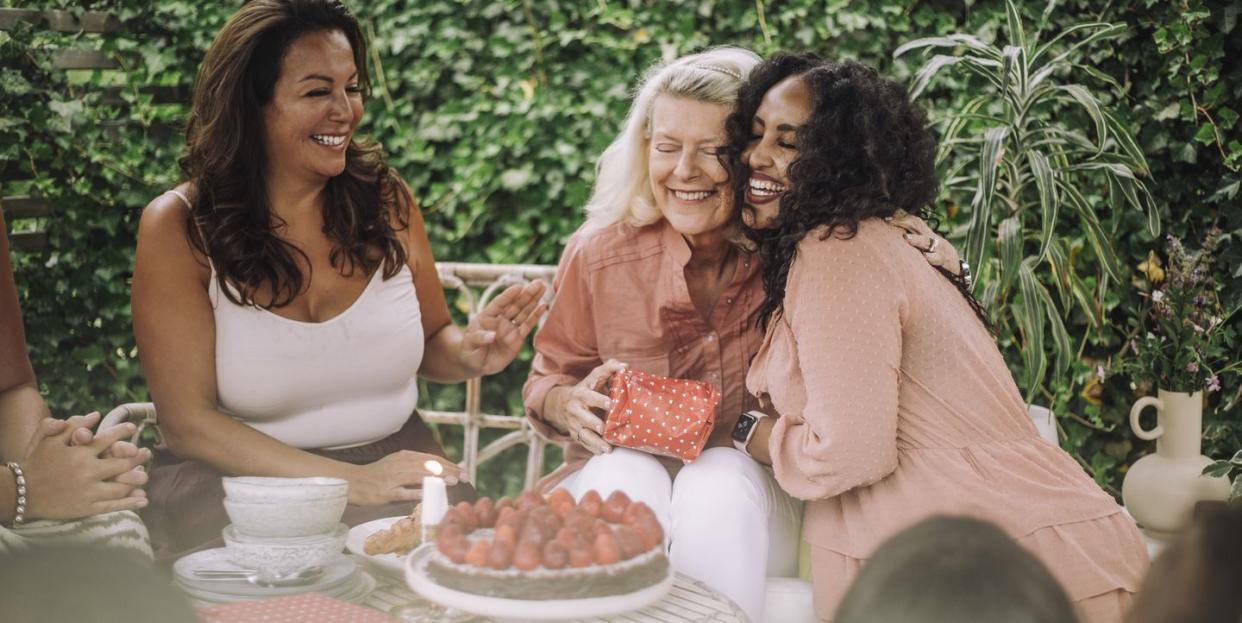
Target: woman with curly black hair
894,402
285,298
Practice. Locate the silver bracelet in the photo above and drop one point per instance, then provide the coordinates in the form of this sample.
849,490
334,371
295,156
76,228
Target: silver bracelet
964,273
19,514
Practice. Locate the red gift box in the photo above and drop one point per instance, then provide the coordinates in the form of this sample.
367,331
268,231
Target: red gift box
659,415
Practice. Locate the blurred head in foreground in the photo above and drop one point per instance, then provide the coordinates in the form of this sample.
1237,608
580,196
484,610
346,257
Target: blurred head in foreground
1198,578
53,584
954,569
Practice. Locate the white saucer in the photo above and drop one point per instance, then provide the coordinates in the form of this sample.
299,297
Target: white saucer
355,589
337,573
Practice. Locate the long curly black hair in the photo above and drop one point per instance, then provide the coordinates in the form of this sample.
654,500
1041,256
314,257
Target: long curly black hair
231,219
866,151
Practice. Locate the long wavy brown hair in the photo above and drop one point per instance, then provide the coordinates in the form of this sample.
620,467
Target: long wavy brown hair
231,219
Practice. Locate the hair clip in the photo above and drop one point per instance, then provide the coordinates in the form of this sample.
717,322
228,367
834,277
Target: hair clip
736,75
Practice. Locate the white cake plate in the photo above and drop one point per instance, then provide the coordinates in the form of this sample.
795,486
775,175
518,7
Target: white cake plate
501,608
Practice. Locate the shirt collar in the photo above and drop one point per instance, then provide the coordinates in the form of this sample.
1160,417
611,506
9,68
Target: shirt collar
677,246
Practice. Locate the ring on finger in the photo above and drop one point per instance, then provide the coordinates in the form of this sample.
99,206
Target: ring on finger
931,248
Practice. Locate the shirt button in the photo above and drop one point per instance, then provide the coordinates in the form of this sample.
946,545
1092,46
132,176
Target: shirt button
711,337
729,300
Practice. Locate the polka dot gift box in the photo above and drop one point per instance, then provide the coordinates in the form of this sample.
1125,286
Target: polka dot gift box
659,415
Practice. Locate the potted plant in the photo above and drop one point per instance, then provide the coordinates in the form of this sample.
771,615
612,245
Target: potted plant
1039,152
1179,348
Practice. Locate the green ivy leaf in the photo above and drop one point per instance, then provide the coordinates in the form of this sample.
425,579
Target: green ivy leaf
1206,134
1218,469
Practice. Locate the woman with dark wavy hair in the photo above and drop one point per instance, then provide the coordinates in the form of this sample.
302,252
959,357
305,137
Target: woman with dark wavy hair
889,397
285,298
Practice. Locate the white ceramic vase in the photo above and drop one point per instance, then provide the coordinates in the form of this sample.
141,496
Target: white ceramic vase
1161,489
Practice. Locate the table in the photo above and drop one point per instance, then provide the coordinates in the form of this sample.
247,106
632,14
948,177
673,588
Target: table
690,600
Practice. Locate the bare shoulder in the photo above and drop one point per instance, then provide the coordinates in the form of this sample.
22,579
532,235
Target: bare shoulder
163,232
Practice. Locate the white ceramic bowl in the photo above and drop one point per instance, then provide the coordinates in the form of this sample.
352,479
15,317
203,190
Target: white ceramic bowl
280,556
286,519
269,490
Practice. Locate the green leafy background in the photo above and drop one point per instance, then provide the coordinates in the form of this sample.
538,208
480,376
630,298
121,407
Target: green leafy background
495,111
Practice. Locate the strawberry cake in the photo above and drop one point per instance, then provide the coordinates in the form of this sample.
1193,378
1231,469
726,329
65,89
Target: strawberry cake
553,548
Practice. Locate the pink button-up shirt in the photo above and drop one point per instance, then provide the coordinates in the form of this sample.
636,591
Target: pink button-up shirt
621,294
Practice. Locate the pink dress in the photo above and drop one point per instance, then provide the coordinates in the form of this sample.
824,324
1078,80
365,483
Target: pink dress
896,405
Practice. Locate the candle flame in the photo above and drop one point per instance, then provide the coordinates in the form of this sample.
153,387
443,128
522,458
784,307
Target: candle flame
434,467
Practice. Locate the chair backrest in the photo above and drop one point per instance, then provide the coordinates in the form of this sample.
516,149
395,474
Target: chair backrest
477,284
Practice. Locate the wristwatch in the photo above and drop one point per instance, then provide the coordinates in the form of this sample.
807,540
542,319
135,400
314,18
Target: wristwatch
744,430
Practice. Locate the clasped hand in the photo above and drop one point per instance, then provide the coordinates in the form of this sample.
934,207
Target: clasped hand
72,472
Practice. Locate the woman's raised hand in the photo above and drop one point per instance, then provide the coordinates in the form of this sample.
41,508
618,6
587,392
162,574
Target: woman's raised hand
68,479
398,477
569,407
495,335
938,251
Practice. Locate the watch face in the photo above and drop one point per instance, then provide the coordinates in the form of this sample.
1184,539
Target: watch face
741,430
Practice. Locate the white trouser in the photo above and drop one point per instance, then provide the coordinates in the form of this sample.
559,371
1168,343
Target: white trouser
729,523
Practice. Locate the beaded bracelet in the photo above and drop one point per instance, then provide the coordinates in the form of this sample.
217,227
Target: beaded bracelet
19,514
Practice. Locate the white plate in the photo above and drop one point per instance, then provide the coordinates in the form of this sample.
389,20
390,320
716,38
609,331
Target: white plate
336,572
527,609
390,564
355,589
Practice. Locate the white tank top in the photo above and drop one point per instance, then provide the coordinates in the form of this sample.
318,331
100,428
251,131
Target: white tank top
346,381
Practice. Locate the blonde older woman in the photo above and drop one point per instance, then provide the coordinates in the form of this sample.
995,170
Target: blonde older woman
656,280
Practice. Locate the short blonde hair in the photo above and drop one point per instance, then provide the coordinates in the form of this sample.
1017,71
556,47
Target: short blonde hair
622,190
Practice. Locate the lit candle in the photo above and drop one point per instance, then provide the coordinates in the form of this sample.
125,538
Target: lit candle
435,499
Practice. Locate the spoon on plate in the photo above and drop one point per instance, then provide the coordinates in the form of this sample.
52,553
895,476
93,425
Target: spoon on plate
267,580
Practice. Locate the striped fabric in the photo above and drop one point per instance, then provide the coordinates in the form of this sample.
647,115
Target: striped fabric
690,600
122,530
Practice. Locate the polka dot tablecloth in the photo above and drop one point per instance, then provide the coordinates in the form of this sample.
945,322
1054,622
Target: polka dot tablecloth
659,415
293,609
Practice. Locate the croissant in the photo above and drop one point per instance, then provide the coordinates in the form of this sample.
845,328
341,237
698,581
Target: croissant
400,538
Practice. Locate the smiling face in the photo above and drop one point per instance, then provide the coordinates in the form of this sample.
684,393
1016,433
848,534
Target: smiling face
785,107
688,180
316,105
